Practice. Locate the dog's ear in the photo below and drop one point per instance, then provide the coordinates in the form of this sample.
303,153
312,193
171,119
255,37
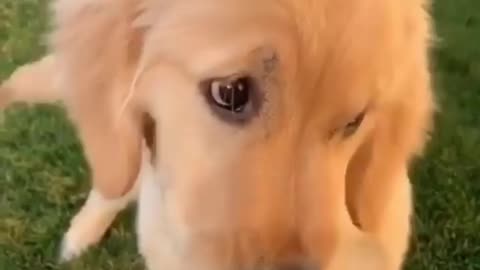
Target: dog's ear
402,130
378,185
98,50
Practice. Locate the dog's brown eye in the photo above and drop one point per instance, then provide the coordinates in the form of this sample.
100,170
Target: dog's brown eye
234,99
231,95
352,126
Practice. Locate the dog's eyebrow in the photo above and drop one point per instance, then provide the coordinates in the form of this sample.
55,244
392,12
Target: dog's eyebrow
269,65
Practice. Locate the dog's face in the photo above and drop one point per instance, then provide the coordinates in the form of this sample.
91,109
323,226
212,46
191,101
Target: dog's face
254,108
261,106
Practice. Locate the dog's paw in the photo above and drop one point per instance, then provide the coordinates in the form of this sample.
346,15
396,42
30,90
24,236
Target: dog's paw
359,253
71,249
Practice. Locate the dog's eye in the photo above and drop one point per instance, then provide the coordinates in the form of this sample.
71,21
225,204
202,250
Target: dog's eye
232,96
233,99
353,125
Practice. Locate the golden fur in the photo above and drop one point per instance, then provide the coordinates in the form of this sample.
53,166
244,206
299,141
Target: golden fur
286,188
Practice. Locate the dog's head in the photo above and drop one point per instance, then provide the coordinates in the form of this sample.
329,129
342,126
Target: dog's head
262,109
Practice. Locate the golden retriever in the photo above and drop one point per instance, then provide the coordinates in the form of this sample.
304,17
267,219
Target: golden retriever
263,134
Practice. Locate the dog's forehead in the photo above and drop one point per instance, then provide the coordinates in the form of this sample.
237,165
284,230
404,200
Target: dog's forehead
314,39
207,35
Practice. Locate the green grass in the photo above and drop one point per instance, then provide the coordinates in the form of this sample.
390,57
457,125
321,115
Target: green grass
43,172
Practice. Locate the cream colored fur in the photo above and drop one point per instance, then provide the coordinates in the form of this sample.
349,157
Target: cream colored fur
285,189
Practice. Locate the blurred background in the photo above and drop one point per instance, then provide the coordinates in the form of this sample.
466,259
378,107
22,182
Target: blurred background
42,169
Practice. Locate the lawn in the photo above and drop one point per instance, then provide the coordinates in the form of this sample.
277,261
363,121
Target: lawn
43,172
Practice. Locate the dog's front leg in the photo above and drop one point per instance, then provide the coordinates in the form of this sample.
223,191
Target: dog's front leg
92,221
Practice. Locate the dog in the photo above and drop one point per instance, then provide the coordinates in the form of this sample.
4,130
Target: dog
268,134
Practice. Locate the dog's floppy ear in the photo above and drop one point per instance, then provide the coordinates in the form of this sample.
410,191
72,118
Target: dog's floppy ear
402,131
377,177
97,50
